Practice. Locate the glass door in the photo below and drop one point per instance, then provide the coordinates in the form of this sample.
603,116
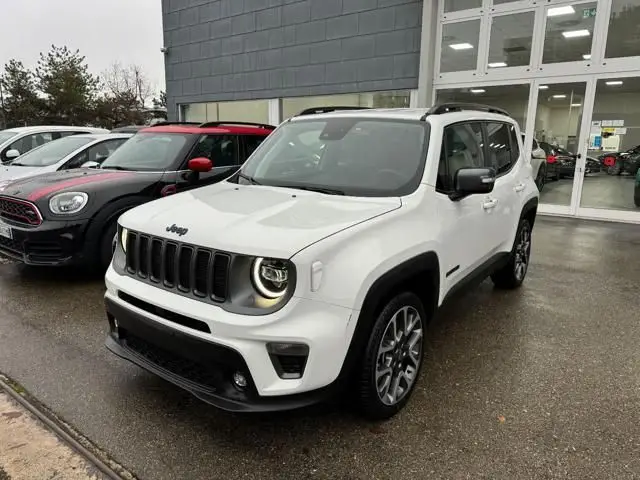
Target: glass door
558,126
611,187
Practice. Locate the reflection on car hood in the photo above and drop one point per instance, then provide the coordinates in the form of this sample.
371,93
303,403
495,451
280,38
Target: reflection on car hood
12,173
254,220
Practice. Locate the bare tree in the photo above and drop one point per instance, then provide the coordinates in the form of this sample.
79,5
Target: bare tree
128,83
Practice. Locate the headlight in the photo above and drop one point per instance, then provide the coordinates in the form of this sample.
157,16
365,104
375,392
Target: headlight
124,233
68,202
270,277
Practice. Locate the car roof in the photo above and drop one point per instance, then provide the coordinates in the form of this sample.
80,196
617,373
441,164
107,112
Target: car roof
432,114
102,136
53,128
219,128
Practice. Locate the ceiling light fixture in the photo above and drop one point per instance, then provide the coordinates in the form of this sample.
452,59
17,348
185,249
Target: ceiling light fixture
544,87
587,56
478,90
559,96
576,104
576,33
461,46
614,83
497,64
556,12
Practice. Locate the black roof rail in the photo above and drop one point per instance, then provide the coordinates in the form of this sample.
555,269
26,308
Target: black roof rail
459,107
248,124
164,124
316,110
128,129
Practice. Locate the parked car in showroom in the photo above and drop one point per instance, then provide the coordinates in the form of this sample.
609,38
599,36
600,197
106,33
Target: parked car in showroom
16,141
306,273
69,217
538,163
82,150
636,190
618,163
561,163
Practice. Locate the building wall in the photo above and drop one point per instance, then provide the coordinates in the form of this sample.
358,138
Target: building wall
249,49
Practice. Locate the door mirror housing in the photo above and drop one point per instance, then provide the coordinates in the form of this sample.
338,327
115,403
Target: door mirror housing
12,154
90,164
472,180
200,165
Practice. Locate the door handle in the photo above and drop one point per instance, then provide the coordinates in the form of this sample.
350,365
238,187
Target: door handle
489,204
519,187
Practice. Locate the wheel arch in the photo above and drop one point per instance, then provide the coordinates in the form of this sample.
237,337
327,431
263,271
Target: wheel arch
110,211
419,274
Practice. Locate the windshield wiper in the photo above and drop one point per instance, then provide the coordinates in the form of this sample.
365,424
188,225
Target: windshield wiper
311,188
248,178
115,167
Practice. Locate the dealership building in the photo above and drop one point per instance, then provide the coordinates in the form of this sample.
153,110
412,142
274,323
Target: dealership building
567,71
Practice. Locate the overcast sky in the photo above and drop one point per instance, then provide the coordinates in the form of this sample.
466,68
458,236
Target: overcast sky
105,31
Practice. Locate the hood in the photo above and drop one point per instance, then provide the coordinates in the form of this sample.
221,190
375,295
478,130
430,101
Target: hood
12,173
254,220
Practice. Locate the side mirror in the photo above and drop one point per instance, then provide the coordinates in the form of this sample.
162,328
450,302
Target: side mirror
471,180
200,165
13,153
90,164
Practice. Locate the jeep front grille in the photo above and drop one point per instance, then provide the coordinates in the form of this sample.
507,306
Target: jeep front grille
187,269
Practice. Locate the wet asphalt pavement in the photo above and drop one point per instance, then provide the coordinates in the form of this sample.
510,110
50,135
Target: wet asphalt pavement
543,382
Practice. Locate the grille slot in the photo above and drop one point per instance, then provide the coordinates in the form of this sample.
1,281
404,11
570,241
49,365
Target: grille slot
191,270
20,211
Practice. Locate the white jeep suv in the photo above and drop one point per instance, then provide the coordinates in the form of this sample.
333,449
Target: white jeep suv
317,266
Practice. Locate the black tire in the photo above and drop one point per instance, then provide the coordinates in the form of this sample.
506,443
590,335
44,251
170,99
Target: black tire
511,276
105,246
369,401
615,169
541,178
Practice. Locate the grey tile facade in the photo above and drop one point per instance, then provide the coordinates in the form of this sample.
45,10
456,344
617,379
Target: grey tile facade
222,50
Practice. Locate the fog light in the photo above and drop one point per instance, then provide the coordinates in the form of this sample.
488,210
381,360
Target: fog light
239,380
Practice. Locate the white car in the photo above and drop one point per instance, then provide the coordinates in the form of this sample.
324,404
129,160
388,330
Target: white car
16,141
318,265
88,150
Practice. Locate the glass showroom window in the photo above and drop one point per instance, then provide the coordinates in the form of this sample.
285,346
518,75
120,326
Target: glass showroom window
391,99
511,37
457,5
512,98
611,179
459,50
569,33
240,111
623,39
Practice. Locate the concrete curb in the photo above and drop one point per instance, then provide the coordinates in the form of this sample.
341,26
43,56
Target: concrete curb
64,433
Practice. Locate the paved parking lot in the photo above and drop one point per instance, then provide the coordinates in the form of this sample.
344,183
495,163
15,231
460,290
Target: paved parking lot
539,383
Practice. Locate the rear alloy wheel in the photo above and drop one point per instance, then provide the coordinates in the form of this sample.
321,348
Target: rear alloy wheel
393,357
513,273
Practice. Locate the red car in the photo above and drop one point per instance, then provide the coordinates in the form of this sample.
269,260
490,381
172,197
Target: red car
70,216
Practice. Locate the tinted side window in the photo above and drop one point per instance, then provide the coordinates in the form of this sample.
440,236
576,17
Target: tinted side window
222,150
503,146
252,142
462,146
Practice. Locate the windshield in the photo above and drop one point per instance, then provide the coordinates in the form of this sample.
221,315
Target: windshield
51,152
4,136
350,156
147,152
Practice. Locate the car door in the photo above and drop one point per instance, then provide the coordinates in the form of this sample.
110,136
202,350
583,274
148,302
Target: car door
466,244
504,155
224,153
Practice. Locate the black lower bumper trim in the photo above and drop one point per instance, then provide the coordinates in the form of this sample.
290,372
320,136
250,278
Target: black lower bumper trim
203,368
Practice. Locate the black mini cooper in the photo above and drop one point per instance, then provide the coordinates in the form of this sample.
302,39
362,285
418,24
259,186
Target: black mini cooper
70,217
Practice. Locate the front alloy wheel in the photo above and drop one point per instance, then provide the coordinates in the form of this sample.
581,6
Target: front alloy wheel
399,356
392,359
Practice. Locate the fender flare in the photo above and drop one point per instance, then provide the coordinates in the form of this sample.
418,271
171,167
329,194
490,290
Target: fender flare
529,206
380,292
107,214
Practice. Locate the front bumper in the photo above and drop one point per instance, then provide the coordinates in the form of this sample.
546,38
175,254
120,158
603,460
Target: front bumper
53,243
148,327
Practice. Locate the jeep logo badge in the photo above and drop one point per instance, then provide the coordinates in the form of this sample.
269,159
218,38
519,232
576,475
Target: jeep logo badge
179,230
